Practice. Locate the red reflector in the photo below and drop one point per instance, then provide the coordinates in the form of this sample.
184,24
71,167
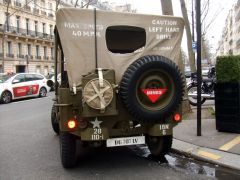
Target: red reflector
177,117
71,124
154,94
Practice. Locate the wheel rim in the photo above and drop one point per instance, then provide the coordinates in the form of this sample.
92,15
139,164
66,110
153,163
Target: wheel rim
43,92
193,90
6,97
155,79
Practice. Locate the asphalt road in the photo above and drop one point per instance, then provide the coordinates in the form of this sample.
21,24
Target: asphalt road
30,150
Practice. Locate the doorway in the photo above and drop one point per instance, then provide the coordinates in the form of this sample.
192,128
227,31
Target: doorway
20,69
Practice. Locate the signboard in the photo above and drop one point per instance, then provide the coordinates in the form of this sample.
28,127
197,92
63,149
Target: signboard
194,46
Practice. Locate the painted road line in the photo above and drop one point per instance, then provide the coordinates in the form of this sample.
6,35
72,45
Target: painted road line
209,155
230,144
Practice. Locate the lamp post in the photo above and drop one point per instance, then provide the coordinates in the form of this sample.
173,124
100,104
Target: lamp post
27,61
199,68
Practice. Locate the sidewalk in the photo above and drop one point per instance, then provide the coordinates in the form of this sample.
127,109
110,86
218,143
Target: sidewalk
220,148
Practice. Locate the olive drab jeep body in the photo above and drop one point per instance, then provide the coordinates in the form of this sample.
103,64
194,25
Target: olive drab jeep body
120,82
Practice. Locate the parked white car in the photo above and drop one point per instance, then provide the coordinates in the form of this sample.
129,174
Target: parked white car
22,85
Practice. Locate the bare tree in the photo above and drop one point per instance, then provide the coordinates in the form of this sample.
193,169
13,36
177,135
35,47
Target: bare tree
189,36
86,5
167,8
207,22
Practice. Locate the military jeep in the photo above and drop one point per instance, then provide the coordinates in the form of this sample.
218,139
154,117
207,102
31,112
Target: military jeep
120,81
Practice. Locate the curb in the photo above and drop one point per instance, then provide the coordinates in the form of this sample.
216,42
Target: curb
221,158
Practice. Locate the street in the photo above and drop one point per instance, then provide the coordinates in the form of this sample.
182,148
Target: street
29,149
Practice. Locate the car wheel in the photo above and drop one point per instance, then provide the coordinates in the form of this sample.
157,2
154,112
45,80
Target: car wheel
6,97
43,92
152,88
159,145
192,89
54,120
67,149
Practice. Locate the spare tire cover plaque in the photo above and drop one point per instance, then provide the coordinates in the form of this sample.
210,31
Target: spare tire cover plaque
154,94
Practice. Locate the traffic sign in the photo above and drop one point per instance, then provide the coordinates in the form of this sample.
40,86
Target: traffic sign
194,46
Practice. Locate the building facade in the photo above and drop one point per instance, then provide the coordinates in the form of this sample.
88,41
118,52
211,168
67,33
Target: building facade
26,36
27,32
230,41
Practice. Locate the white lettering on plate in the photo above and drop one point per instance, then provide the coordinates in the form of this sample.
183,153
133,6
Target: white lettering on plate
172,29
154,92
97,134
126,141
164,22
163,36
164,126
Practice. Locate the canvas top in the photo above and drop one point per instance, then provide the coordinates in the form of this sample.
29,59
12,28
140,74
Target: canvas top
122,38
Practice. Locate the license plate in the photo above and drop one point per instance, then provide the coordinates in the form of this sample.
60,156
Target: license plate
125,141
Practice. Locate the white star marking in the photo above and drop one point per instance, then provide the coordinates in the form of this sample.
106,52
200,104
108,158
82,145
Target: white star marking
96,123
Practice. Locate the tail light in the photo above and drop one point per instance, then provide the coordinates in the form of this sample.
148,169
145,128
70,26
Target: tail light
177,117
72,124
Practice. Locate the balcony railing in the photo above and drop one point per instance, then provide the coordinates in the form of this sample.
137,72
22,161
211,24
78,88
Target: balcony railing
35,10
26,32
7,1
17,4
38,57
50,15
9,55
27,8
29,56
20,56
43,13
45,57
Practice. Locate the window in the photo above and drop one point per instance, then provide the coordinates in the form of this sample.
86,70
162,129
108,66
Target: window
45,51
36,27
52,69
37,51
45,70
7,21
18,23
44,28
38,76
50,6
9,47
19,78
27,26
52,51
43,4
125,39
29,49
19,50
51,30
29,77
38,69
35,3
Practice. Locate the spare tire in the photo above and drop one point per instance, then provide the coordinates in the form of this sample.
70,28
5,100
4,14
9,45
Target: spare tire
152,88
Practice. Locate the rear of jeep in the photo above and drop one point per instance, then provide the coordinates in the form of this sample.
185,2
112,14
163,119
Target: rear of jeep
120,82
